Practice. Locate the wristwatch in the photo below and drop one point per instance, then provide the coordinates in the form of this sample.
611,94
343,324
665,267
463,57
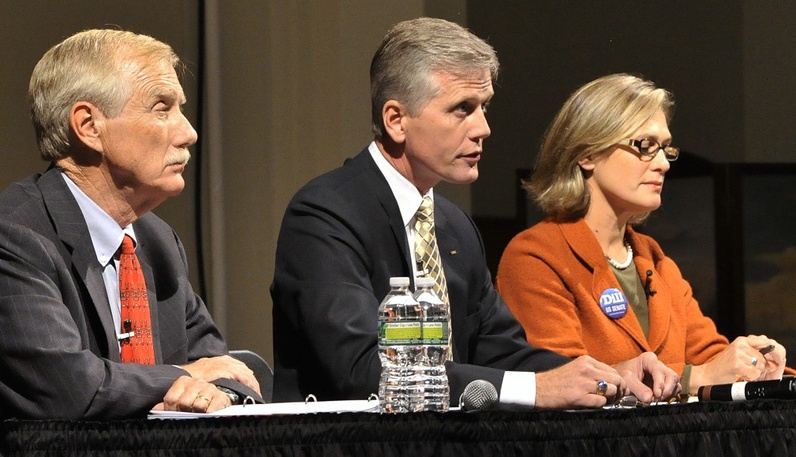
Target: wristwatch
233,396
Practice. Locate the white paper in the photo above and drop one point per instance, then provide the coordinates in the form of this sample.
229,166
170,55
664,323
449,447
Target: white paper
277,409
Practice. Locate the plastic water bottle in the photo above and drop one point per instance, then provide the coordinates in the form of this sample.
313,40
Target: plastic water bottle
400,350
436,349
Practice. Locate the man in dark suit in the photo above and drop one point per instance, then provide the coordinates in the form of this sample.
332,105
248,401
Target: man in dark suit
347,232
106,105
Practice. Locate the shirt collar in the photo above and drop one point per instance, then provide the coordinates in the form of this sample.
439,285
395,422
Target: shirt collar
406,194
106,235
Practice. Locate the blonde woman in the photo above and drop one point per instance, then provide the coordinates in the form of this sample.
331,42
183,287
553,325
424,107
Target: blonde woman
583,281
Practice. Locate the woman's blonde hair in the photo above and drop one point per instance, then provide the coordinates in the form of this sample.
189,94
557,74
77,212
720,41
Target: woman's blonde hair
596,117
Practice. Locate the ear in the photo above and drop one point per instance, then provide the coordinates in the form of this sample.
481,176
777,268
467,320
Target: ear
393,114
86,121
586,163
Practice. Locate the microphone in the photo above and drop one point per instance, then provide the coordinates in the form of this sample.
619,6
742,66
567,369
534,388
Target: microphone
647,288
784,388
478,395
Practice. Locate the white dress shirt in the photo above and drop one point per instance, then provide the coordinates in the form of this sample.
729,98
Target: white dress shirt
106,236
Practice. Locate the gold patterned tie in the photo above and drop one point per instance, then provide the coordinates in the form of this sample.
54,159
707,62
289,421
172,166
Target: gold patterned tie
428,259
426,252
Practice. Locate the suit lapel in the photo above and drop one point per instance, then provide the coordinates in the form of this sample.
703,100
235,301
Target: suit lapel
71,229
585,246
452,263
447,244
660,310
386,199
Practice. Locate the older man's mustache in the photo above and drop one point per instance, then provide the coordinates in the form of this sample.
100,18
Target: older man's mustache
180,156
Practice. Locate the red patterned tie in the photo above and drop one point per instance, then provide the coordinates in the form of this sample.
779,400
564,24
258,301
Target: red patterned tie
136,338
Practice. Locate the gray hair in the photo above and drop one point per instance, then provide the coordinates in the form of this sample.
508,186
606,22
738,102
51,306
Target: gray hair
411,51
85,67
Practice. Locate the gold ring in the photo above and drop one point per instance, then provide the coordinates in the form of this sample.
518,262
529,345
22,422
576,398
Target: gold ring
602,387
198,397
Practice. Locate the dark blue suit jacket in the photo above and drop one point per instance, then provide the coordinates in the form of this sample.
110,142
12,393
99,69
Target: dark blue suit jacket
341,240
58,354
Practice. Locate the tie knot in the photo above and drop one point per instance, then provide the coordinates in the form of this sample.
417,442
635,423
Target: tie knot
426,210
127,245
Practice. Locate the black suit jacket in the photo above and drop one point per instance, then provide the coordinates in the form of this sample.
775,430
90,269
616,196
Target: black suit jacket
341,240
58,354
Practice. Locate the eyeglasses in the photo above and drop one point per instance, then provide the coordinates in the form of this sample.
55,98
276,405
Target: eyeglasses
649,147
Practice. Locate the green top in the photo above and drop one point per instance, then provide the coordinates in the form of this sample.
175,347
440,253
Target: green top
631,285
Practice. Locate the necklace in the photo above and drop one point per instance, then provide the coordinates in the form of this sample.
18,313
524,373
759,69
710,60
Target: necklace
622,266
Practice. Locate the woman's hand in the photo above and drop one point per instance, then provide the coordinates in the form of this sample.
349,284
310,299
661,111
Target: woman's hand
741,360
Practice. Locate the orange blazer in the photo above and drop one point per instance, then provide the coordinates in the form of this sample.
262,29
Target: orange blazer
553,274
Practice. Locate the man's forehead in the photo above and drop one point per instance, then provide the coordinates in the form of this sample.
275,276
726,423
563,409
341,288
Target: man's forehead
464,73
155,78
464,81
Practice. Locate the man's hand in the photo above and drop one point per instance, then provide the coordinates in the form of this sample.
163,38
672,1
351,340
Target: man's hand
575,385
649,379
212,368
194,395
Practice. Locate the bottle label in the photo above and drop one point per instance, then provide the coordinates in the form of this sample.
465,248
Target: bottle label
400,333
435,333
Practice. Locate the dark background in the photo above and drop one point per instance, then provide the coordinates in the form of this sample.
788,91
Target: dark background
278,91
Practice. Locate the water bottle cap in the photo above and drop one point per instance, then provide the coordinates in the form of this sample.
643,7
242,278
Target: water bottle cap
399,281
424,281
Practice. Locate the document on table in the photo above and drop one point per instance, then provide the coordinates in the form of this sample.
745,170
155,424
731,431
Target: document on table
277,409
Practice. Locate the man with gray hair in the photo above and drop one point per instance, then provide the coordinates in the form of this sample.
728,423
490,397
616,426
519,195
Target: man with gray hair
98,318
347,232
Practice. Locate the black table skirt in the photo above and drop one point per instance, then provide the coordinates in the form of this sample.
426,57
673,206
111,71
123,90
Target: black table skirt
755,428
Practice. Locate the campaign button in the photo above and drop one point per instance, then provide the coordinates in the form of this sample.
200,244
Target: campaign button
614,303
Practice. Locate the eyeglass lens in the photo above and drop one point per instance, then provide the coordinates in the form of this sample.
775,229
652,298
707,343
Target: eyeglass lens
650,147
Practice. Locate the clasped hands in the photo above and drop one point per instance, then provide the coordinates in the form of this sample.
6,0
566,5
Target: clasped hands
195,393
588,383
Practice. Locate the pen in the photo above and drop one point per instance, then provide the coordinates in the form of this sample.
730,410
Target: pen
766,349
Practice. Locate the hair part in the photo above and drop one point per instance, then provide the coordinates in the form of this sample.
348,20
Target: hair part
594,118
411,53
85,67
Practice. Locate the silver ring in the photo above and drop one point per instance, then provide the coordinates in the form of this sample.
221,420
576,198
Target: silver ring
602,387
754,361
